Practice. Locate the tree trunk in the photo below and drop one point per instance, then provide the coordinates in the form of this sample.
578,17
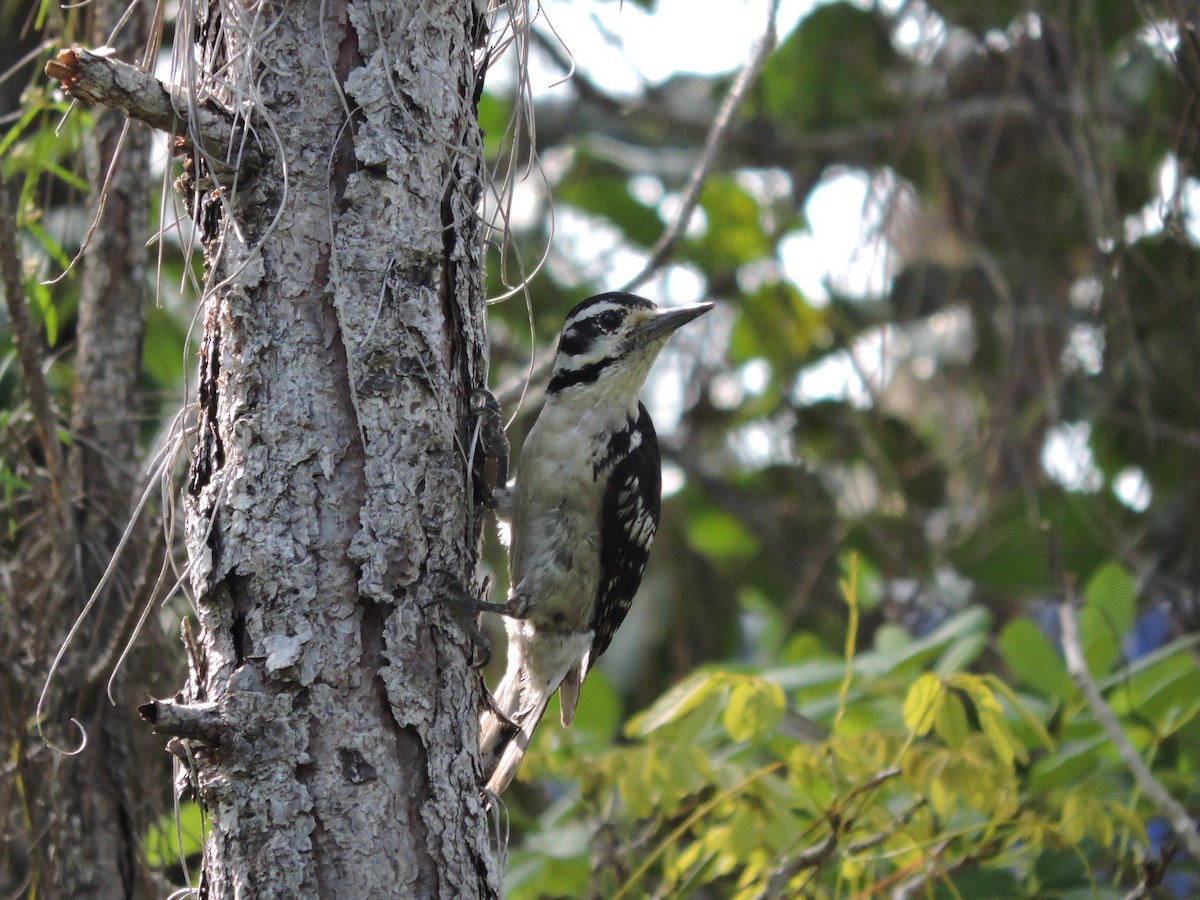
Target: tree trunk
333,717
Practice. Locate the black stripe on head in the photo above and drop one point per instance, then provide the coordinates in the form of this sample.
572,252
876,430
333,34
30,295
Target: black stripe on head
594,317
569,377
584,326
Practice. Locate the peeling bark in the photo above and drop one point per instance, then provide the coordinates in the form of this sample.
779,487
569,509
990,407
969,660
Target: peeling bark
343,335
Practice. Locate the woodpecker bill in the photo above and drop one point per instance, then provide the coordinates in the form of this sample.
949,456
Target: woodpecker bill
583,511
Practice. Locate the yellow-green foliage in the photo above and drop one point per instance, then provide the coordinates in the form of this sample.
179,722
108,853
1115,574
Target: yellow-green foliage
935,776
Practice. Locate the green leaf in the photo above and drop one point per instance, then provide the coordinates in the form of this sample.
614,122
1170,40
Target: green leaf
991,718
1149,661
689,858
961,653
815,674
720,535
917,653
1008,553
677,702
52,247
755,707
1167,694
495,112
921,651
1107,616
163,349
1026,715
40,295
599,710
802,647
981,884
1029,653
15,132
777,324
1111,591
836,68
565,841
735,234
165,837
1061,869
1080,759
892,637
999,734
536,875
951,722
1134,823
923,704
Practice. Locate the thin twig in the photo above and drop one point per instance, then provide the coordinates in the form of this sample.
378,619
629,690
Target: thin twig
538,373
721,126
665,246
584,86
25,337
1171,809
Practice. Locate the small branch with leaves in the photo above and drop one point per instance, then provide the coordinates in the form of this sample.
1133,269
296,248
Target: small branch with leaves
1171,809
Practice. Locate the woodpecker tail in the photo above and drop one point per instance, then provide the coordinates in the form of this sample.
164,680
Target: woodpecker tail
506,729
496,725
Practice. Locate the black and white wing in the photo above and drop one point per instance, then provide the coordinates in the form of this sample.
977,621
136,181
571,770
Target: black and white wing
629,519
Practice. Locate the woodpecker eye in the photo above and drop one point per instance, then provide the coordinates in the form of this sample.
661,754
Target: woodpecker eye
609,320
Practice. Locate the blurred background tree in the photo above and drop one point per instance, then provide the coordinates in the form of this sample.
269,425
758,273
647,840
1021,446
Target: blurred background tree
80,405
952,379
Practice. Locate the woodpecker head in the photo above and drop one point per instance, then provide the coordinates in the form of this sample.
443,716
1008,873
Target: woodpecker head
608,344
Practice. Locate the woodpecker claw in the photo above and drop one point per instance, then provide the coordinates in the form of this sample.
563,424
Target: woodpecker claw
455,595
494,443
481,648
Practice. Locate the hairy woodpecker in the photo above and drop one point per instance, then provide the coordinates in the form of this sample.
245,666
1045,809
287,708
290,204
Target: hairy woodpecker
583,511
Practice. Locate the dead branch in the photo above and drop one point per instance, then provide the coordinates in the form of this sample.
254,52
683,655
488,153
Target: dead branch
199,721
95,77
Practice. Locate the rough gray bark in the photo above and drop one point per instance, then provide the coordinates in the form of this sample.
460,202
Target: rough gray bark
343,332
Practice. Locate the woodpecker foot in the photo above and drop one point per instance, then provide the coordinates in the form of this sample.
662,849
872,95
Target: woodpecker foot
453,594
491,488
